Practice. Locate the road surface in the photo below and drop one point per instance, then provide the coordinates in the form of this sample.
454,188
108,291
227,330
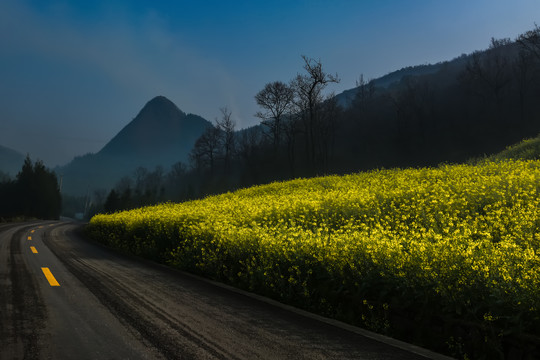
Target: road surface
62,297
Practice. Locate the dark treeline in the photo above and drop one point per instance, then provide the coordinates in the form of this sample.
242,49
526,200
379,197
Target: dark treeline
33,194
474,105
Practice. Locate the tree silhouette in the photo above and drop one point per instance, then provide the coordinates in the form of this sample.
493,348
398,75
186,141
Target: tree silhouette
276,99
530,41
206,150
308,90
34,193
112,203
226,125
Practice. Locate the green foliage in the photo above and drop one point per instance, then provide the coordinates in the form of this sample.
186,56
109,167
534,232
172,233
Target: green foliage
445,257
528,149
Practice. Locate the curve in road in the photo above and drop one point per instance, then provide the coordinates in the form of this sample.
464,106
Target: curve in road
94,303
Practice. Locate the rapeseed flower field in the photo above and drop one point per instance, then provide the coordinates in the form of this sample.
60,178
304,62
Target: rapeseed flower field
446,257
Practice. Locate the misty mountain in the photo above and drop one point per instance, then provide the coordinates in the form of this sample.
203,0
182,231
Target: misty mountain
423,115
160,135
10,161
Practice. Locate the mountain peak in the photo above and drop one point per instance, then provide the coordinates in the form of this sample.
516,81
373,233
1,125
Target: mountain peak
159,128
161,107
160,100
161,134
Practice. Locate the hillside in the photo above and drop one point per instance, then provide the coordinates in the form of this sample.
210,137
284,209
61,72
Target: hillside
424,115
384,82
527,149
474,104
160,135
425,255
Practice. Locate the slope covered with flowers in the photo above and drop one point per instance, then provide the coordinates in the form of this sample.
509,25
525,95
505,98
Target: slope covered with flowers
447,257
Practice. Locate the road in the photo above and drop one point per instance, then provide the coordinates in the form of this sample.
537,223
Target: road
62,297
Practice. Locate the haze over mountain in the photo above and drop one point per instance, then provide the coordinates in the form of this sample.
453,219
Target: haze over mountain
160,135
160,131
77,67
416,116
10,160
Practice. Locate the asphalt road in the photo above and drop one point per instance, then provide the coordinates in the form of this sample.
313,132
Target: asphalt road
62,297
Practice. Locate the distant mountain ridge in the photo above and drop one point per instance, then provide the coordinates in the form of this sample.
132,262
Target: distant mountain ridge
160,135
10,160
393,78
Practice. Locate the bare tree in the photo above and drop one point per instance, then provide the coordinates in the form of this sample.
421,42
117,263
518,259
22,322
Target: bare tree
248,145
178,171
308,99
290,130
414,104
226,127
276,100
365,92
498,75
176,181
154,187
149,187
206,149
124,184
140,175
489,74
530,41
523,69
329,114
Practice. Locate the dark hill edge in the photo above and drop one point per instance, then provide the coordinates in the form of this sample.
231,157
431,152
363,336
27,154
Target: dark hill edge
346,97
527,149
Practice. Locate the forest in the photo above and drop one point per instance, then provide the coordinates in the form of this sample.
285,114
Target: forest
472,106
35,193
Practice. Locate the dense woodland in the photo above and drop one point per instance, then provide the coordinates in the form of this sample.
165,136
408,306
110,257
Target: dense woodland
34,193
474,105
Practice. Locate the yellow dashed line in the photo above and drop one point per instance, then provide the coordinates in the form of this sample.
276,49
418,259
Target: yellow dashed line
29,238
32,231
33,249
49,276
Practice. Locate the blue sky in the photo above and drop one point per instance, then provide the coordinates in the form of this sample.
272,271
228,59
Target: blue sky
74,73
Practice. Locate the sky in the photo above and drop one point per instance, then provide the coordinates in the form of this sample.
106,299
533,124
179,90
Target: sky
74,73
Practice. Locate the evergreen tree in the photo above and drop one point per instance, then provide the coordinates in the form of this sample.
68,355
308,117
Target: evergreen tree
36,192
112,203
